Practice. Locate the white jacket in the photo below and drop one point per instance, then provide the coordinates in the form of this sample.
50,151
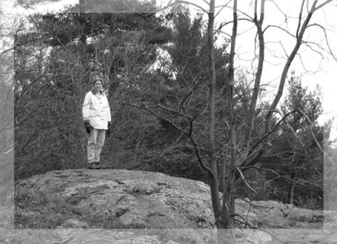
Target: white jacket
96,110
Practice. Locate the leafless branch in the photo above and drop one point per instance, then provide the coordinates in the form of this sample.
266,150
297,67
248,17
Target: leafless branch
280,28
182,2
190,136
322,5
261,140
279,176
300,19
318,144
170,110
326,39
221,8
287,66
244,179
303,147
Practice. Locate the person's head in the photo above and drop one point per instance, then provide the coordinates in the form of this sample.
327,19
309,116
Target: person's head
97,85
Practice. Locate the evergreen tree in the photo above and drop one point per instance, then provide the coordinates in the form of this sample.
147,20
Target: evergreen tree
53,66
296,155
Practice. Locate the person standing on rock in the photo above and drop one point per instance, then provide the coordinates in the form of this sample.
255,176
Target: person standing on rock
97,121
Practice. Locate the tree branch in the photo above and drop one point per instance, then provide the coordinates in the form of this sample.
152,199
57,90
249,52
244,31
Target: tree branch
322,5
287,66
190,136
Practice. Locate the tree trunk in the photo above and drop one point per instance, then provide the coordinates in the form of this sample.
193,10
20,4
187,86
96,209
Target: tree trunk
226,221
291,190
211,119
83,37
251,114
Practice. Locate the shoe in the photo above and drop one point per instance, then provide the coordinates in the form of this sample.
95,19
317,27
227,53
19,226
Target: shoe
101,165
94,165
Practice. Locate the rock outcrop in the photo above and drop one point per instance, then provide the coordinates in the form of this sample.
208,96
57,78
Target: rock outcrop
122,199
164,209
273,214
134,199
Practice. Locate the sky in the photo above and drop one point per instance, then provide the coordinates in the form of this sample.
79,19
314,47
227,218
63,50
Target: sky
312,68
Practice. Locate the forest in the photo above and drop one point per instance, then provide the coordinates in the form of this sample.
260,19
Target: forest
176,108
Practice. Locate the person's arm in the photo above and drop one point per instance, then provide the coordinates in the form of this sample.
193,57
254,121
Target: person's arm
108,112
86,112
86,107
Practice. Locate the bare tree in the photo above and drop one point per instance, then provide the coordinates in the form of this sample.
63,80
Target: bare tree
249,151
